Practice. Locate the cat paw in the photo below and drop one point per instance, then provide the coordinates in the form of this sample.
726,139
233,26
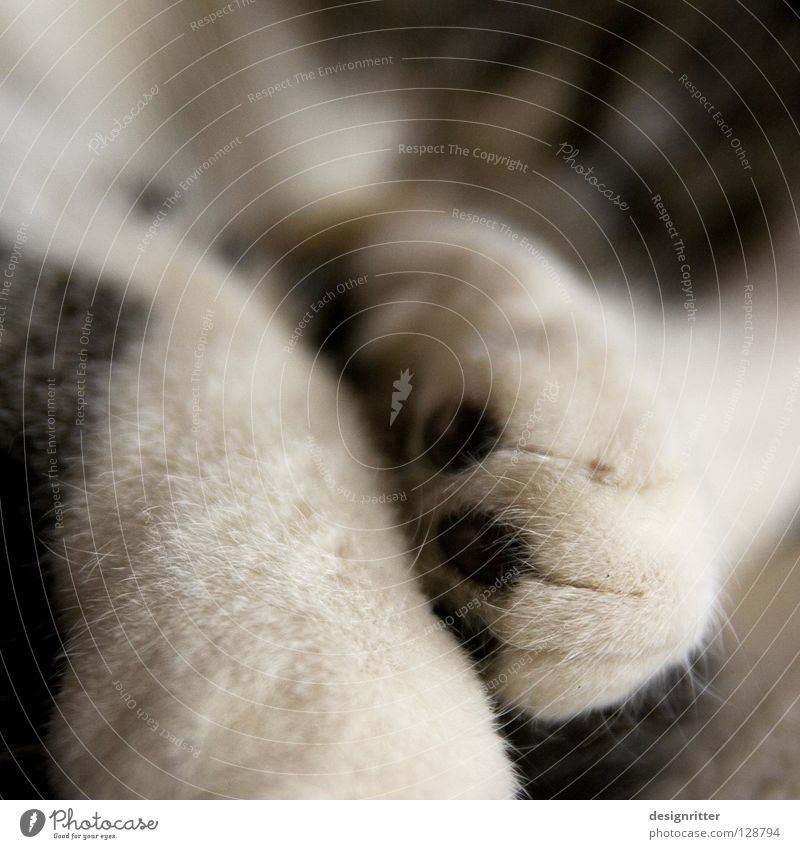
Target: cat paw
554,502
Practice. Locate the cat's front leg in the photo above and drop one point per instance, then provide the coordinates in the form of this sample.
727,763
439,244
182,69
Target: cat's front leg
559,520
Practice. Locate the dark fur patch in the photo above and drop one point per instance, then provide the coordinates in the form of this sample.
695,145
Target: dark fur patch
610,754
58,336
481,549
457,435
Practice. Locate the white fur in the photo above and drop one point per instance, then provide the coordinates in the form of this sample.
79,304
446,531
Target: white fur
588,466
234,624
637,492
237,622
637,468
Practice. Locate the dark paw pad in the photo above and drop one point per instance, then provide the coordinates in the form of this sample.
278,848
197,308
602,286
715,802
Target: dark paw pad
457,435
484,551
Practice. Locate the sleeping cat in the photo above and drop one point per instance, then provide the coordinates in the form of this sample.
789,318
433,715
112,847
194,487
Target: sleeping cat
580,463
